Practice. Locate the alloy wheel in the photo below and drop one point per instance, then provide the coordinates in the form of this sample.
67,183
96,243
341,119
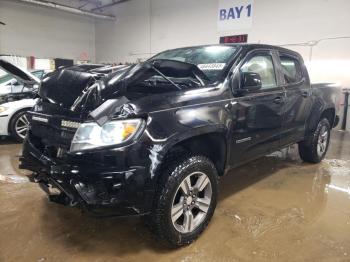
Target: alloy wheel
21,126
322,141
191,202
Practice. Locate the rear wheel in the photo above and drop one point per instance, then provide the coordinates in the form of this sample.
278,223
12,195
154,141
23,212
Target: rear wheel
186,200
314,149
19,126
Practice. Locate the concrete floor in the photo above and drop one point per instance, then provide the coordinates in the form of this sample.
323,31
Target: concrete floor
274,209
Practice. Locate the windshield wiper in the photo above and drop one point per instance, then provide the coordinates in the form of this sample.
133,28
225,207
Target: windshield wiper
165,77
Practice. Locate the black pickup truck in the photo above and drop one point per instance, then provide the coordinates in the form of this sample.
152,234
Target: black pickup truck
154,138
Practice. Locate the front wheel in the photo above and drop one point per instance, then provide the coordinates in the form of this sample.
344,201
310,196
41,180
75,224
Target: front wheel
314,149
186,200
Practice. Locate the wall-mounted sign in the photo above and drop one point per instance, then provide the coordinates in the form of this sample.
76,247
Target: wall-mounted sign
235,14
233,39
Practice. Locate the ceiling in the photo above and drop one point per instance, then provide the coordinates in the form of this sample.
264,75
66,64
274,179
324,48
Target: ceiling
97,6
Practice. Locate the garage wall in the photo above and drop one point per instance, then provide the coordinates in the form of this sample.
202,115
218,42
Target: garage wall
145,27
129,33
45,33
150,26
188,22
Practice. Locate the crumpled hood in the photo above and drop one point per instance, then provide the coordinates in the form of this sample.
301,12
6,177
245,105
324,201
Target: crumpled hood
84,88
64,86
77,87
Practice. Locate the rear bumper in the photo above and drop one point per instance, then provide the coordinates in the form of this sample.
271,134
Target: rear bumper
121,190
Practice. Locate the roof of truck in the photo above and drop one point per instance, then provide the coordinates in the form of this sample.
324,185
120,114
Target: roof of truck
259,46
248,46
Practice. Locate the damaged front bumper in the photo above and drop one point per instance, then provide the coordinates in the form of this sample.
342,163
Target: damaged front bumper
82,181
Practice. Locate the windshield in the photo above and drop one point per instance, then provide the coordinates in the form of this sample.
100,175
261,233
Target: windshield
210,59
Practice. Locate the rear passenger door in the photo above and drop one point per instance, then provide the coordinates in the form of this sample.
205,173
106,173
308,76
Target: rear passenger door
298,98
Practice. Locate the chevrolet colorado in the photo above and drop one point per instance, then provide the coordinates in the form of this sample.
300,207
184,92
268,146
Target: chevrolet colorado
154,138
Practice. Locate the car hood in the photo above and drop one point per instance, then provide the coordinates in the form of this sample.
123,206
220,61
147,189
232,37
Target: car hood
77,88
10,97
19,73
99,91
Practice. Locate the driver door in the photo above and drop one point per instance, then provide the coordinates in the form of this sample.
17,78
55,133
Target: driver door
257,115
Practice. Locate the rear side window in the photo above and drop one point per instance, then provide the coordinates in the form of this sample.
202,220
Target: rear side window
291,69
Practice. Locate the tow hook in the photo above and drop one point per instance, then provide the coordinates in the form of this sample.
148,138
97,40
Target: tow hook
62,199
34,177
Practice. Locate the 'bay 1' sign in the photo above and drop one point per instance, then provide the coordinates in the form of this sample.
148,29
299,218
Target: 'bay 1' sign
235,14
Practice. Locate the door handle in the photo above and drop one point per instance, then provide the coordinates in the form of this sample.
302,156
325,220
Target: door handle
305,94
278,100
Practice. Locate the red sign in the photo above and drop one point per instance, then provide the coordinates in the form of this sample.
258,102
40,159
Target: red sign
233,39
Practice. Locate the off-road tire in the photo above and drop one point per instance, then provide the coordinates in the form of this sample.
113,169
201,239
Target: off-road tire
172,176
308,148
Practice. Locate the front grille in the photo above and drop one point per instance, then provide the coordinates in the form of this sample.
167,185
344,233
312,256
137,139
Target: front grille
70,124
53,131
51,136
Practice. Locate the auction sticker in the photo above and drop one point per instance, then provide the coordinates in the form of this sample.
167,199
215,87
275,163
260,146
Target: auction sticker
212,66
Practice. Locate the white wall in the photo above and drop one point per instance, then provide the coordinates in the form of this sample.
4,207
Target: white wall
45,33
145,27
176,23
129,33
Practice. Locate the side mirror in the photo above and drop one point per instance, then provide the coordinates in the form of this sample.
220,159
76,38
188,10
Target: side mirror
250,81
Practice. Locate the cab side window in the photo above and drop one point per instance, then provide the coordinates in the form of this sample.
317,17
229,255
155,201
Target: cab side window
262,65
291,69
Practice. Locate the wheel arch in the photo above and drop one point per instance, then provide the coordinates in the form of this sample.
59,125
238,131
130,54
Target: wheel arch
209,142
316,115
329,113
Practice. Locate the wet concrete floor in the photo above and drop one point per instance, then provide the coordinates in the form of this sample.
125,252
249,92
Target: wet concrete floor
273,209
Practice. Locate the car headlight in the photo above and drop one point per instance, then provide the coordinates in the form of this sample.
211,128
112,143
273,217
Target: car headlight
91,135
3,109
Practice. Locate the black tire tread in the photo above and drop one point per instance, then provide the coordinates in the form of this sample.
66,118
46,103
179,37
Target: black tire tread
170,177
308,148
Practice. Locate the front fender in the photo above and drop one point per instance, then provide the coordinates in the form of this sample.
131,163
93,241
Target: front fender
159,151
167,128
204,130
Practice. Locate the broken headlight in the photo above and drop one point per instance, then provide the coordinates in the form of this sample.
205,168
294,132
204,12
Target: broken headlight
91,135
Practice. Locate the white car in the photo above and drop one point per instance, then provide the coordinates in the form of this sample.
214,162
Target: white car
16,98
13,119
